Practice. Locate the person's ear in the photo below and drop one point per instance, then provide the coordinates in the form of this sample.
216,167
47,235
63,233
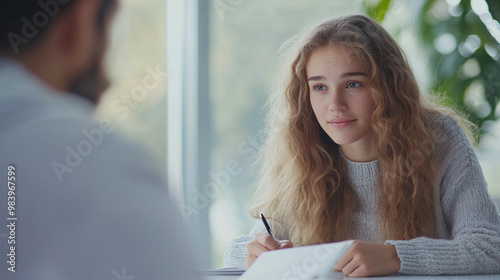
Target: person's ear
74,36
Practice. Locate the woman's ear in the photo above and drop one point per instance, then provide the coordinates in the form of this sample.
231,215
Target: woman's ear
74,36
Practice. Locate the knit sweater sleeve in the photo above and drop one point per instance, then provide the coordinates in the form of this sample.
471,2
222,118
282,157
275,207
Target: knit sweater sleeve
236,253
470,215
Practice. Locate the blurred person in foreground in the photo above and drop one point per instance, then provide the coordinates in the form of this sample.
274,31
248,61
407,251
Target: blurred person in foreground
80,200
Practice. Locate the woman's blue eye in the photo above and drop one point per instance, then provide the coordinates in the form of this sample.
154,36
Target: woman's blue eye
319,87
353,84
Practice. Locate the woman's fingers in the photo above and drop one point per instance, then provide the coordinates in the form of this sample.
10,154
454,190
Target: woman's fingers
350,268
369,259
250,260
267,241
255,248
344,260
264,242
285,244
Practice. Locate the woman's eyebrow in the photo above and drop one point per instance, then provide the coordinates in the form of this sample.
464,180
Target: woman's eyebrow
316,78
348,74
351,74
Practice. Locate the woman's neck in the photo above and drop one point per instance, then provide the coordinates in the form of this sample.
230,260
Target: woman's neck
360,152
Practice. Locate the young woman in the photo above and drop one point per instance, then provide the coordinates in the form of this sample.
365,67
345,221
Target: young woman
354,152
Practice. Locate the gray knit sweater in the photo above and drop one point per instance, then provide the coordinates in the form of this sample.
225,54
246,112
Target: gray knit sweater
467,240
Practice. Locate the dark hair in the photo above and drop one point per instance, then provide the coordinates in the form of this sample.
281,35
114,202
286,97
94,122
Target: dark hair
23,23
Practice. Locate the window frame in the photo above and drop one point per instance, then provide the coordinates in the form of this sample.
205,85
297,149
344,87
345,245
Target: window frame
189,119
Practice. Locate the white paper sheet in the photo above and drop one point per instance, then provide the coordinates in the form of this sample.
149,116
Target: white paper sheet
296,263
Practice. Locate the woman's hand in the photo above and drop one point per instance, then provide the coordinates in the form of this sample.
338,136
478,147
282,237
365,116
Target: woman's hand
369,259
264,242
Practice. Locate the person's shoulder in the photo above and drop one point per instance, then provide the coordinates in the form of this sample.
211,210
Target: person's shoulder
447,129
79,148
26,107
110,155
453,148
443,122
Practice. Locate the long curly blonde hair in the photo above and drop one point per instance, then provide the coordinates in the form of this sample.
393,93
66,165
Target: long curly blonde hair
303,186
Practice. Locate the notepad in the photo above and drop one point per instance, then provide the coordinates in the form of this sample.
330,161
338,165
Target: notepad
222,271
304,262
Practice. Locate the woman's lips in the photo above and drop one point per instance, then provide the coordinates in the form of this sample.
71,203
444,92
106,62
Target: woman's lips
341,123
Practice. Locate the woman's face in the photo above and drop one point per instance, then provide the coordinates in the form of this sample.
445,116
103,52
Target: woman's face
341,97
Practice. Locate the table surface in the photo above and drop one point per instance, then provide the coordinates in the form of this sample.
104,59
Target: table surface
340,276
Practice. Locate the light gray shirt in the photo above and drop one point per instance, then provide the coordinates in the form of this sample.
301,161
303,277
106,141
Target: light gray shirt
89,203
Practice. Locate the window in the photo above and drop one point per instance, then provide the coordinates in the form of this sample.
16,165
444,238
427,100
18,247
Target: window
135,103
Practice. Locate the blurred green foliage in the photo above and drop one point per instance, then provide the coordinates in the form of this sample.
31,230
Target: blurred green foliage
464,54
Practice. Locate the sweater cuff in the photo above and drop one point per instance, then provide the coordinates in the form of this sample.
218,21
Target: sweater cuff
410,255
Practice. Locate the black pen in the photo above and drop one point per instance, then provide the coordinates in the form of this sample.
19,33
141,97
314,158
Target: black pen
266,224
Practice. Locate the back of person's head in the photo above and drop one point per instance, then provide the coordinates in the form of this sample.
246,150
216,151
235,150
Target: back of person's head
24,23
69,36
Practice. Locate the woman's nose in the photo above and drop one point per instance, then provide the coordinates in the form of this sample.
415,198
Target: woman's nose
336,102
